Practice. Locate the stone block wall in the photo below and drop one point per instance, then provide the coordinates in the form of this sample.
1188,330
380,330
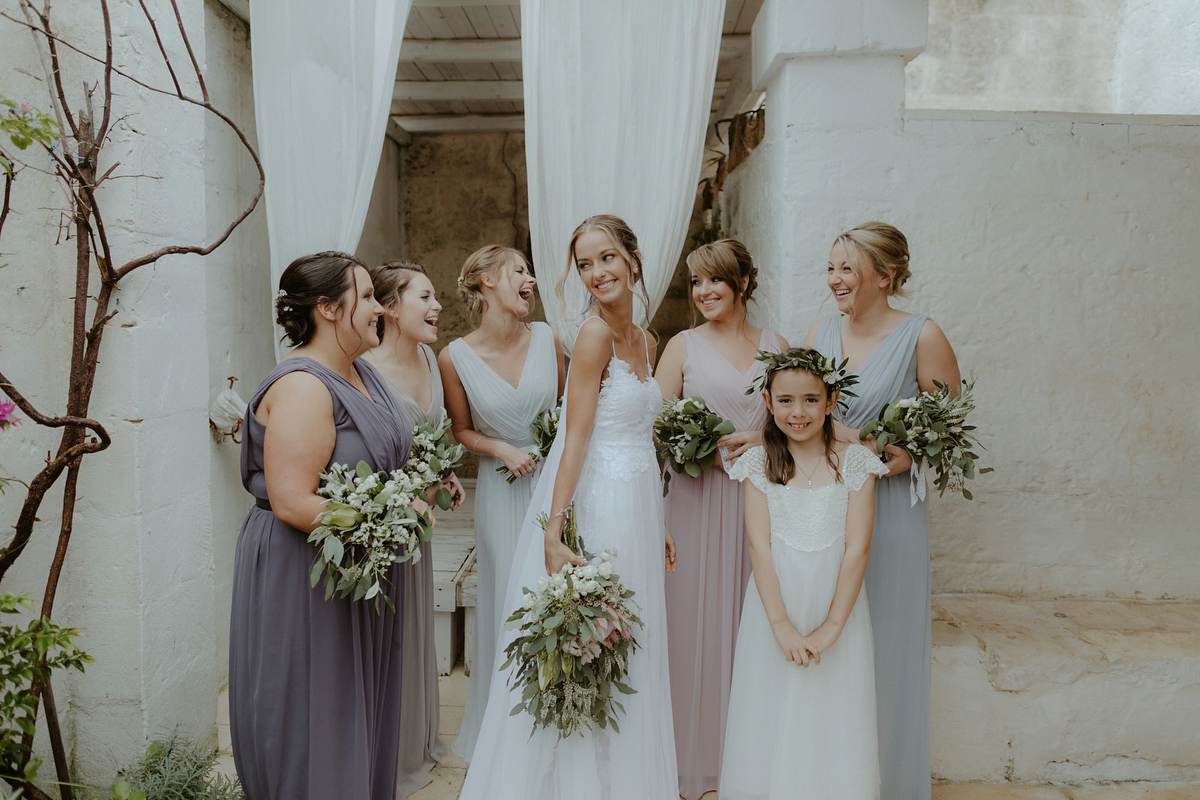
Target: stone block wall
1058,252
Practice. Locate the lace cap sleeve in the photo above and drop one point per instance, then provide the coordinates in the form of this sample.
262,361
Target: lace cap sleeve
752,465
860,463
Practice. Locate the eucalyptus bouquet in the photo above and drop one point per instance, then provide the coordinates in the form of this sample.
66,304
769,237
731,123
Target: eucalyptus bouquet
368,524
543,430
576,637
433,457
687,435
932,427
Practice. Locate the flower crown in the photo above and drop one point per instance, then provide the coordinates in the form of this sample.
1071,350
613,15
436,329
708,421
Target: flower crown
832,373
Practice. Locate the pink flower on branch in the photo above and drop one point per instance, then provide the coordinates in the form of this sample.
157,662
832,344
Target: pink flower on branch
8,415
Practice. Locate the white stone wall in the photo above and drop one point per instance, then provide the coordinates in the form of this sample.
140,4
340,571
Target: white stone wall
140,580
1059,254
1096,56
238,287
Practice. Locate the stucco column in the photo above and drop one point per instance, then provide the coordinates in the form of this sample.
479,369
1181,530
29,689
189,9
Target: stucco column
833,73
139,580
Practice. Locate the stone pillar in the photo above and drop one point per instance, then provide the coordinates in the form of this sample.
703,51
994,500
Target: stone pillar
833,73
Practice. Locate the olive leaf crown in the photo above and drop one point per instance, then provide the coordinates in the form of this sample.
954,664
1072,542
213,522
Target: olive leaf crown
832,373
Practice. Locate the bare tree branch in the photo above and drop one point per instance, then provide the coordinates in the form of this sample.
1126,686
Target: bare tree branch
102,132
161,48
188,44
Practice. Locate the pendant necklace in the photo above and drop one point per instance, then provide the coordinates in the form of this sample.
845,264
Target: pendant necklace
808,475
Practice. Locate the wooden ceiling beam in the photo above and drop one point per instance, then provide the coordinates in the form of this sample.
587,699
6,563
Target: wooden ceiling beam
733,45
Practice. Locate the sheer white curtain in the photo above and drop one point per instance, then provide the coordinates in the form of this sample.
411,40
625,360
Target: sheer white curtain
617,98
324,74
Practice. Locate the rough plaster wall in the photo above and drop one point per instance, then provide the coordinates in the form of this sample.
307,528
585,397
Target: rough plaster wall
1098,56
462,191
139,575
1058,252
238,285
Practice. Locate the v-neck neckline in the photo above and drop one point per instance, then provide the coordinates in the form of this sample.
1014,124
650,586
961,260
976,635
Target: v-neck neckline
354,365
732,366
842,347
524,364
428,366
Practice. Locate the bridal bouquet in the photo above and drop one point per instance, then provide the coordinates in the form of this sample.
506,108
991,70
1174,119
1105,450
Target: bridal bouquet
368,524
543,430
932,427
433,457
687,435
576,637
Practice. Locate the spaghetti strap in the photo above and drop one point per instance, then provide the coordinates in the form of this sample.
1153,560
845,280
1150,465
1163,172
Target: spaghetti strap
646,347
614,342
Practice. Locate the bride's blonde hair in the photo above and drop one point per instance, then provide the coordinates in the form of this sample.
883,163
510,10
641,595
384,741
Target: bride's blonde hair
622,238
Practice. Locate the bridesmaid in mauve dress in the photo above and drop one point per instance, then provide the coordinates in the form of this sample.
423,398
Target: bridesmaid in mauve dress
497,379
894,355
715,361
314,684
408,366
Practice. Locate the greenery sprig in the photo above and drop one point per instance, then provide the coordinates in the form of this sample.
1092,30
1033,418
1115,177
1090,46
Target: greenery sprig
831,372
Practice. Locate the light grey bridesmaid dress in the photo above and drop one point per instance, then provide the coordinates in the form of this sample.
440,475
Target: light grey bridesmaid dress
706,591
420,747
897,578
500,411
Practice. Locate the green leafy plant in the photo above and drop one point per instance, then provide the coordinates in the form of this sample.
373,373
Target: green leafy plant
175,769
28,654
24,125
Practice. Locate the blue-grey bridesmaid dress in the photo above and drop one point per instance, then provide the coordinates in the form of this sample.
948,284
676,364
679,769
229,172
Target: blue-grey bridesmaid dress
897,578
314,684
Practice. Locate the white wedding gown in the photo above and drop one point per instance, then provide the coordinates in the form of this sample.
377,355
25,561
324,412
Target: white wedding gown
618,504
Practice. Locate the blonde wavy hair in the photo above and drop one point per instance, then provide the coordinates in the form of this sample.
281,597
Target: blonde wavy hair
884,247
622,238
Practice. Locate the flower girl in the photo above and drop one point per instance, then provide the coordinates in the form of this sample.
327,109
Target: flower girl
802,707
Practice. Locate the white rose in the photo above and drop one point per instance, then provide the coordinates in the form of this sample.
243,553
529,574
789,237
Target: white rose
605,569
590,571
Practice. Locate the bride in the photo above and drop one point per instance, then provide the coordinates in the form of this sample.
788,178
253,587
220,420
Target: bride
603,460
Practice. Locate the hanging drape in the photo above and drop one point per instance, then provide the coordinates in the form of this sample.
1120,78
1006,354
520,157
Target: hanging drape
617,99
324,73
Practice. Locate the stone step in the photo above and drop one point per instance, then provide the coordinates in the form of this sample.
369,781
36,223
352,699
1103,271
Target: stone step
1065,691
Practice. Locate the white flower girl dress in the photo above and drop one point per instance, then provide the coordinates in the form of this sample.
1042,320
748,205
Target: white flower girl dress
798,731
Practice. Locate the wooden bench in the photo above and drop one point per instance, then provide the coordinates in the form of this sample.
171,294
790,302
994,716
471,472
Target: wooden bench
454,583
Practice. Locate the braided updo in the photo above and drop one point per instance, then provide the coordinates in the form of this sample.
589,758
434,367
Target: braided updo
884,246
306,283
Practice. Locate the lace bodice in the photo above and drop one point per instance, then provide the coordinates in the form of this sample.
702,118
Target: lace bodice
622,442
809,519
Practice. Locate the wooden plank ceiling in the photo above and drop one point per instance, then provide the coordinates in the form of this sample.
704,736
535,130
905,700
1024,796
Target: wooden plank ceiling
460,66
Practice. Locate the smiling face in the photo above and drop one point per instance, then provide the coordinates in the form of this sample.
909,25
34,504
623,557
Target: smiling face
514,287
416,312
602,267
851,284
798,403
715,299
356,318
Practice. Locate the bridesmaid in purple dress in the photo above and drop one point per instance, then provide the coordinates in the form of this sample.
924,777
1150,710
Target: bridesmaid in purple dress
314,684
715,361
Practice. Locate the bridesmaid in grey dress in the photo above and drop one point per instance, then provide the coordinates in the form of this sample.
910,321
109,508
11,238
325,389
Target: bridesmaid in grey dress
497,379
715,361
895,355
407,364
314,684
